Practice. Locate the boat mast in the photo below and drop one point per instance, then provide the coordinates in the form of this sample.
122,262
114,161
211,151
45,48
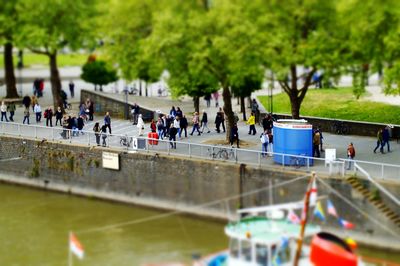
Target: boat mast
304,220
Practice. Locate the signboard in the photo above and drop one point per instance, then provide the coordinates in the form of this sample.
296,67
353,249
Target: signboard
330,155
111,160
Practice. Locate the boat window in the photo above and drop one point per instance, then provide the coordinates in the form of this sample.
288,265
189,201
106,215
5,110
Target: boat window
261,255
280,253
246,250
234,248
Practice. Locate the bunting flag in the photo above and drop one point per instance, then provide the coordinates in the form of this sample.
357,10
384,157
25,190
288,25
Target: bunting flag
331,208
75,246
345,224
319,212
293,218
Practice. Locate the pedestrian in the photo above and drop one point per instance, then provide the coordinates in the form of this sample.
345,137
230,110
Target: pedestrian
97,132
48,114
33,102
178,112
316,143
90,107
216,96
71,88
38,112
234,135
41,88
172,112
65,124
26,115
222,117
177,126
74,126
217,122
321,137
264,138
104,134
11,109
351,153
80,124
267,122
153,126
164,120
59,115
385,139
160,128
135,113
196,126
107,121
26,101
379,141
3,109
140,125
204,122
255,110
183,124
64,98
207,98
252,124
172,136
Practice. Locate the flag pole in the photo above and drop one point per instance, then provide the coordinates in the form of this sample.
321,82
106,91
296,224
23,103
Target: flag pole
69,249
304,220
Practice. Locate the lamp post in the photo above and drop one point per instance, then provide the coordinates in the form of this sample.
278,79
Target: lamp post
271,87
126,102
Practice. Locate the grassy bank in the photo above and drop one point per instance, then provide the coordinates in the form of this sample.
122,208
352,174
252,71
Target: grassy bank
63,60
338,104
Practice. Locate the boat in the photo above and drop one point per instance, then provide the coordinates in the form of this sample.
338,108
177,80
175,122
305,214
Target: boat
263,236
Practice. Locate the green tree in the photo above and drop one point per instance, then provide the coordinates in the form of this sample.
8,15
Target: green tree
98,73
8,28
297,34
49,26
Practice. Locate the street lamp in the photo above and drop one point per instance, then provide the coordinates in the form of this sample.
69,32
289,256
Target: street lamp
271,87
126,90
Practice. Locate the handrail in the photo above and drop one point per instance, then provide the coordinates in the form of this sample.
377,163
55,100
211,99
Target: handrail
379,186
38,130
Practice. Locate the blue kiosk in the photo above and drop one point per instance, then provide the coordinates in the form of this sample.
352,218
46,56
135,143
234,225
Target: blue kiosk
292,137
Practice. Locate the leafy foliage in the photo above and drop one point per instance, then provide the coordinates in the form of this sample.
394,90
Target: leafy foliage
98,73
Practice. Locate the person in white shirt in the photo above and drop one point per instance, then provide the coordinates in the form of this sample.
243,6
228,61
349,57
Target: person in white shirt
140,125
38,111
3,109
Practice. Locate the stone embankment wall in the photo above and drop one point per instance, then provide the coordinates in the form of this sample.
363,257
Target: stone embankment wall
174,183
105,103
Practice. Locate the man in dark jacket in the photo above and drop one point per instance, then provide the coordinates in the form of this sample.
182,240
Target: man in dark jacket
385,138
26,101
183,123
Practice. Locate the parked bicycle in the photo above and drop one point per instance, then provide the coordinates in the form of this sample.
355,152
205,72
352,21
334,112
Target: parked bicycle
339,127
221,153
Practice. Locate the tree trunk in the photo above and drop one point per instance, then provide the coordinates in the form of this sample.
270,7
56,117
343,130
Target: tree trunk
140,88
9,71
295,104
230,120
55,82
196,103
243,107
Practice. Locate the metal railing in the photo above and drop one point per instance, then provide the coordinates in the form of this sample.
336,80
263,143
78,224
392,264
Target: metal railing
258,158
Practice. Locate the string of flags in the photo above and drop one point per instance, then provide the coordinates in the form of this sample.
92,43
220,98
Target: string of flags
319,211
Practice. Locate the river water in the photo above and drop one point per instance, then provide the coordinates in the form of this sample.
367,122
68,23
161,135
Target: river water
34,226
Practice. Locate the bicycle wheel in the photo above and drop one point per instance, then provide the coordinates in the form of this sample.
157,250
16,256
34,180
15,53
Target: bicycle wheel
223,154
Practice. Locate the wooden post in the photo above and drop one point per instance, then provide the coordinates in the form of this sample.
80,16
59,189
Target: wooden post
304,220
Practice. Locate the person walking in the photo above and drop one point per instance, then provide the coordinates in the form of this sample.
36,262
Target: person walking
97,132
177,126
234,135
48,114
59,116
140,125
38,112
264,138
183,124
195,121
204,122
351,153
11,109
316,143
379,141
216,96
80,124
26,115
135,113
385,139
107,121
90,107
160,128
172,136
26,101
252,124
255,110
222,117
104,135
71,86
3,109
